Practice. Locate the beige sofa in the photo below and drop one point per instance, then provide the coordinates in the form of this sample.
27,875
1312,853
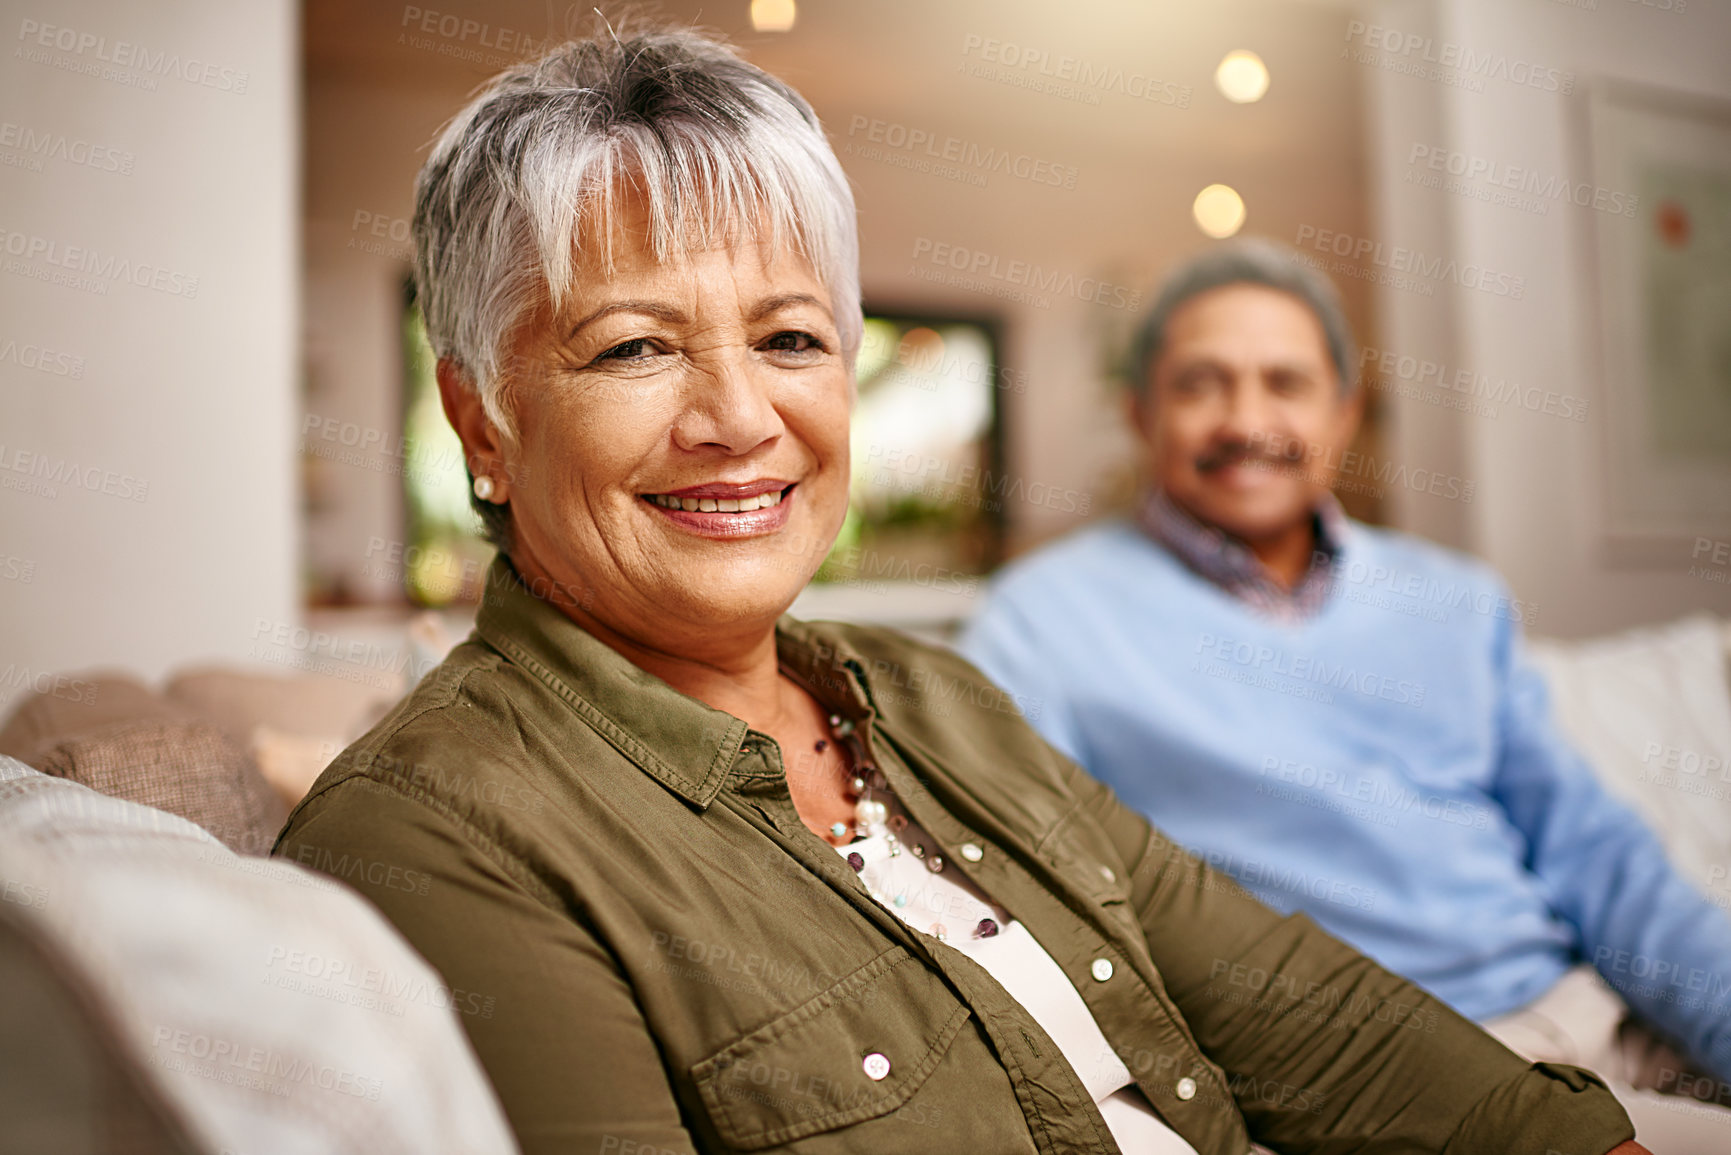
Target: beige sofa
227,749
230,750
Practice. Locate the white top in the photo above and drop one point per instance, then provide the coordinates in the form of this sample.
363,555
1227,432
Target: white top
948,906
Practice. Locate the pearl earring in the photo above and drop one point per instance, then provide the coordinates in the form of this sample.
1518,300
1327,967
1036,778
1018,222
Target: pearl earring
484,487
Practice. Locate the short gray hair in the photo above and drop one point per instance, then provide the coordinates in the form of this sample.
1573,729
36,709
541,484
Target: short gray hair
1251,261
542,158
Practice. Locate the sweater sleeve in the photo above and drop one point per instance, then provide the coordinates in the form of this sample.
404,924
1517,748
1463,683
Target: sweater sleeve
1325,1051
1657,940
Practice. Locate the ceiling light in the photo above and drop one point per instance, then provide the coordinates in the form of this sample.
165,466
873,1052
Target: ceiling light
1219,211
773,15
1242,77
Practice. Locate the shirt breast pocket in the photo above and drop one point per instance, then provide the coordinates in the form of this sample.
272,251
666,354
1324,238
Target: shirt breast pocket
857,1051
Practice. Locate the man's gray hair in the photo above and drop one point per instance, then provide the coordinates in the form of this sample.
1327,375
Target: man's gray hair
1251,261
544,160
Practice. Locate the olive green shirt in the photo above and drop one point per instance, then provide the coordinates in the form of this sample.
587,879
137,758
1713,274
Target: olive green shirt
651,953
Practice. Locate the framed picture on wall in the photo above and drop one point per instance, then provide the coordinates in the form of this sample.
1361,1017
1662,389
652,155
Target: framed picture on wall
1664,296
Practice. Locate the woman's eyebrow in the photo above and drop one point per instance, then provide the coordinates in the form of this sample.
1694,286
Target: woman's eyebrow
674,315
656,309
781,301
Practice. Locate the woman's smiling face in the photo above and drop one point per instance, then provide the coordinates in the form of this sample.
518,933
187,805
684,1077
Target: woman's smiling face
681,459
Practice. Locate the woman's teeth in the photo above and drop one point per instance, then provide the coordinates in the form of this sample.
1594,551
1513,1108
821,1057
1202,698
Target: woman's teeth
717,504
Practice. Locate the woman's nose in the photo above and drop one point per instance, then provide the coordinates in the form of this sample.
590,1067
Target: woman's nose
729,405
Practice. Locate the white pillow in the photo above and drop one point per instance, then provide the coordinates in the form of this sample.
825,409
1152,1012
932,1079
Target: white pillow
1651,710
274,1008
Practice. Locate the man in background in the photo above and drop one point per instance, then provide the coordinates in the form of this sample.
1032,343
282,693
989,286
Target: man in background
1342,717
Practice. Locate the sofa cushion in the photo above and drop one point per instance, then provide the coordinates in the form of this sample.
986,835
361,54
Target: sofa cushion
292,725
188,768
70,1088
291,763
1650,709
71,704
272,1008
310,705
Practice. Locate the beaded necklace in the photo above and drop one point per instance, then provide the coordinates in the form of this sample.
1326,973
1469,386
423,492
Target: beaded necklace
873,817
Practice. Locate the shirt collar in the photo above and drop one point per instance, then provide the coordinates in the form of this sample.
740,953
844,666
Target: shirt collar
1230,564
686,745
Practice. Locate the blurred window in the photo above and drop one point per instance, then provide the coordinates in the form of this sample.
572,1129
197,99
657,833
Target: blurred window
928,487
445,559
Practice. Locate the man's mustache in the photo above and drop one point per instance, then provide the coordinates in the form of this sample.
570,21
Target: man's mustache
1266,454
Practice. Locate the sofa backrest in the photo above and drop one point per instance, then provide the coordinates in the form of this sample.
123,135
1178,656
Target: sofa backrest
1650,710
266,1007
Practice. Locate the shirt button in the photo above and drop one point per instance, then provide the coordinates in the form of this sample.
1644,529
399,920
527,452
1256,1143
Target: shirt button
877,1067
1101,970
1186,1088
972,852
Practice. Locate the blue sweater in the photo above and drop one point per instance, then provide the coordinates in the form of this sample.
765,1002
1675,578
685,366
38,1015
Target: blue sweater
1388,766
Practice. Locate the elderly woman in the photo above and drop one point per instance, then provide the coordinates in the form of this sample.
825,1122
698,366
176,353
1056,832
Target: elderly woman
702,877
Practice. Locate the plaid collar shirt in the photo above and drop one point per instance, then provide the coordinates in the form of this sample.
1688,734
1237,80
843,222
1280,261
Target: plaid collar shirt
1229,563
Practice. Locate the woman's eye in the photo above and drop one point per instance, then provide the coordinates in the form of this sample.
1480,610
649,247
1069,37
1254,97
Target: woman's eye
794,341
635,349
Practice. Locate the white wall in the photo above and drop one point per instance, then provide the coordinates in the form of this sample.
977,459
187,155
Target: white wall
1539,479
148,504
359,197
